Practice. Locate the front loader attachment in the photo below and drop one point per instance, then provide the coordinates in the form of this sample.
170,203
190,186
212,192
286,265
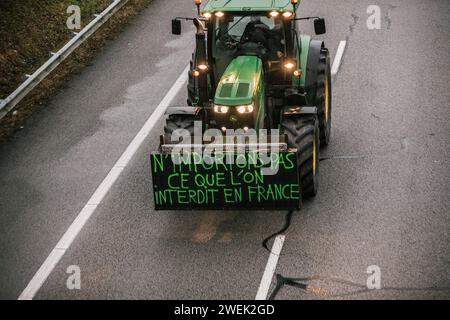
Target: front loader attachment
250,177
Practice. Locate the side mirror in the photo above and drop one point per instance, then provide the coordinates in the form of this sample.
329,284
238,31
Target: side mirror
176,27
319,26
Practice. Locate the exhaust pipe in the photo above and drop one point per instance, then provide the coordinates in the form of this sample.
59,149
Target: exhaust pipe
201,59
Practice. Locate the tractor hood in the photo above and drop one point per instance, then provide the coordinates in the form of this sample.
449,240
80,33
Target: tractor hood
239,82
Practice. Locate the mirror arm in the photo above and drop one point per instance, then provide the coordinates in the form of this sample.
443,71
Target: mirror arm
190,19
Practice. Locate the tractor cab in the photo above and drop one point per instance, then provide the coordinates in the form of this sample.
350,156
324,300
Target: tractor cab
240,34
251,55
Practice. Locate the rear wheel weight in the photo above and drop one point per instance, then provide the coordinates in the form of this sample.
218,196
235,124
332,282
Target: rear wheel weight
303,135
176,121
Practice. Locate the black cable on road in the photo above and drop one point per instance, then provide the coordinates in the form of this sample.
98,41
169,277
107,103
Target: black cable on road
286,226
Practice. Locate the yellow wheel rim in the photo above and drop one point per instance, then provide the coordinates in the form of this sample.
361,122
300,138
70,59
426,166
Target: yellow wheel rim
314,156
327,100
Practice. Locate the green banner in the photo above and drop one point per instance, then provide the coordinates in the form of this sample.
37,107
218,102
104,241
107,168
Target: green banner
243,180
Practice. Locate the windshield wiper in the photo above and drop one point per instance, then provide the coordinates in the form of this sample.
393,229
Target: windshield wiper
228,30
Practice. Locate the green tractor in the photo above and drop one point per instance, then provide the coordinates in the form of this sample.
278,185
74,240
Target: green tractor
252,70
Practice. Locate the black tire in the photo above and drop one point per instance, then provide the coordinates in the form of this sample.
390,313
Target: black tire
303,135
323,96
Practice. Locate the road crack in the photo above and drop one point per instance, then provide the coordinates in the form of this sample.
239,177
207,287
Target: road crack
355,22
344,157
387,16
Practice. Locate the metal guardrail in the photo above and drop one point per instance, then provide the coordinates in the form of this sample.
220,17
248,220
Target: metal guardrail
33,80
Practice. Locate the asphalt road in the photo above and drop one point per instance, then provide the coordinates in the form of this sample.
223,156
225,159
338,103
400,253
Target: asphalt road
384,180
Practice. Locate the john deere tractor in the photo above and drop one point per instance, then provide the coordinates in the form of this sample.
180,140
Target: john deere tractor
252,69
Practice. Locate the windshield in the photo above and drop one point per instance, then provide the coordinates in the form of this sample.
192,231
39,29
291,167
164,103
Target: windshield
232,32
236,25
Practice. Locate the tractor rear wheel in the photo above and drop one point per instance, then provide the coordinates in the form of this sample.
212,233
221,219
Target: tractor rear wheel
303,135
323,97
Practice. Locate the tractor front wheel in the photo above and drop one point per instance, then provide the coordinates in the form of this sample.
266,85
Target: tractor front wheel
303,135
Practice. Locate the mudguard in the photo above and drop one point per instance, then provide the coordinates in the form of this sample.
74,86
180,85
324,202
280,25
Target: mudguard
315,46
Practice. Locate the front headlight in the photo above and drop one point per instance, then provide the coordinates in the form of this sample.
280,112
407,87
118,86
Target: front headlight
221,109
289,65
245,108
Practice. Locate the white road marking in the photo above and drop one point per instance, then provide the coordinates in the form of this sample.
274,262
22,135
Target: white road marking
338,58
271,266
64,243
